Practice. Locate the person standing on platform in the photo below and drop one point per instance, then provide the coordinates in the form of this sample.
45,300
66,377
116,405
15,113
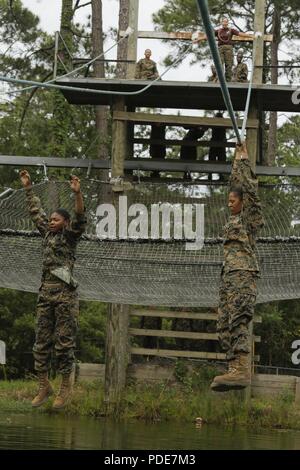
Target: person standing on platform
146,68
213,77
225,45
240,71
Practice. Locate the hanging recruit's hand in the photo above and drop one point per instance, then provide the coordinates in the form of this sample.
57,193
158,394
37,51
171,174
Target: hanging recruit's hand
241,152
25,178
75,184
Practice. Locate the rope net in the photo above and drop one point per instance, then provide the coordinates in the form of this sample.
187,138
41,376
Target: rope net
153,272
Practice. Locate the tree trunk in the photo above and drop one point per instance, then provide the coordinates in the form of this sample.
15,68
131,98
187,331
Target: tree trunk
61,109
99,72
272,139
122,47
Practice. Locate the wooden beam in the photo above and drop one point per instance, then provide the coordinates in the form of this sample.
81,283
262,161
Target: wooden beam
187,36
171,314
178,334
184,314
173,334
145,164
171,120
196,143
175,353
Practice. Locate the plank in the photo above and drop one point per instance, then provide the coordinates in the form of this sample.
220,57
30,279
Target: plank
171,314
174,353
172,120
178,334
184,314
196,143
187,35
173,334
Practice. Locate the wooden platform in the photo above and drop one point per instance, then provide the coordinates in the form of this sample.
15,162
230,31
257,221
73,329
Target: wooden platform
180,94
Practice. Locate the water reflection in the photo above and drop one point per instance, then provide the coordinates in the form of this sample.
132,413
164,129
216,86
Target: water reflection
36,431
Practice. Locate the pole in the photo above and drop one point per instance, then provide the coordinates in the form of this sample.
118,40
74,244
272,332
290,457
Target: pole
132,39
258,53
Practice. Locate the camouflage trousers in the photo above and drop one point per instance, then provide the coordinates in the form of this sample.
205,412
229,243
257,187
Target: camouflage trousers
226,54
56,327
236,309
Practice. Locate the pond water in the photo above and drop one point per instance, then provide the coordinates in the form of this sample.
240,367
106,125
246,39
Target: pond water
38,431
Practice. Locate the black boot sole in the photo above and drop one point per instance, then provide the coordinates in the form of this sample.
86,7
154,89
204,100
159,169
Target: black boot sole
225,387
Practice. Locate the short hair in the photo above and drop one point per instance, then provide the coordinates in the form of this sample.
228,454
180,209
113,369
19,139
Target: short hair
237,190
64,213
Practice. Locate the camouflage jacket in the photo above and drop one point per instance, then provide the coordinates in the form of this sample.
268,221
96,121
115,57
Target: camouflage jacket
146,70
58,248
213,78
241,229
240,73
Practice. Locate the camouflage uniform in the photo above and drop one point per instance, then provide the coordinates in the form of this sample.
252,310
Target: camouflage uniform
146,70
240,268
213,79
58,304
225,45
240,73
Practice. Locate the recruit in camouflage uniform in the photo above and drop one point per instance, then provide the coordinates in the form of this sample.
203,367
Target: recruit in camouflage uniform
240,71
213,77
146,68
225,45
58,304
239,276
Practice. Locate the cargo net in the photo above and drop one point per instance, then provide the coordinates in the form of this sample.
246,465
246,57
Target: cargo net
143,271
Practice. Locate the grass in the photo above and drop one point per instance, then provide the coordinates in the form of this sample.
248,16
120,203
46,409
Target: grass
183,402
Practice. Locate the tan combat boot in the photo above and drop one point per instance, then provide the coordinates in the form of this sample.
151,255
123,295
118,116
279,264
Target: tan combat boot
237,377
45,390
64,393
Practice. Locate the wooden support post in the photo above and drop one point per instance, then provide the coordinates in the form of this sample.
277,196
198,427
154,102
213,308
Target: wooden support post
117,336
116,355
119,140
258,49
132,40
253,134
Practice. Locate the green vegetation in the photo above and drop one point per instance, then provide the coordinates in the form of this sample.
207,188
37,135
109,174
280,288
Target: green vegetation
17,316
165,402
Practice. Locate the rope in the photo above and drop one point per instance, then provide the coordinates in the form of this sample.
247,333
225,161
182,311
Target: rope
243,131
203,8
